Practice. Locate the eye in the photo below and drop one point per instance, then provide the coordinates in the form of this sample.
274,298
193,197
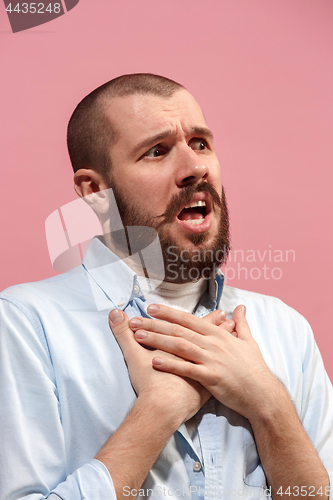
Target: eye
155,152
198,144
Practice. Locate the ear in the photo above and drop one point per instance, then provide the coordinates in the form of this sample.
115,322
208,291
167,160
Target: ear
91,186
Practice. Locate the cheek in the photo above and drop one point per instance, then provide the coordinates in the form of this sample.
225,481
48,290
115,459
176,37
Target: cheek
152,191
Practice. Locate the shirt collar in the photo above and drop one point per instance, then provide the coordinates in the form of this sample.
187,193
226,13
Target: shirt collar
109,273
211,299
113,280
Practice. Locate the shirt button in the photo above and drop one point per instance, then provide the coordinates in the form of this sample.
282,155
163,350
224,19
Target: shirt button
197,466
136,289
121,303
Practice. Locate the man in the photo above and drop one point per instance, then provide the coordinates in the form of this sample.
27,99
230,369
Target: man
237,407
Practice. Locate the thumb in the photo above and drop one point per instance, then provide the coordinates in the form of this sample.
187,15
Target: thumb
119,324
242,327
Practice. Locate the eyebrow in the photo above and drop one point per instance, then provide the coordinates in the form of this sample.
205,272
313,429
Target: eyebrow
204,131
155,139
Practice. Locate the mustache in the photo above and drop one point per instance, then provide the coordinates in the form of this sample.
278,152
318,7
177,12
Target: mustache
185,196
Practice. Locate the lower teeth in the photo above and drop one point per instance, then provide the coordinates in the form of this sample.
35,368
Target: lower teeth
195,221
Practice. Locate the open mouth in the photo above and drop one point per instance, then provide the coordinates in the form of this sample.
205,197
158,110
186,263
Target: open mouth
196,215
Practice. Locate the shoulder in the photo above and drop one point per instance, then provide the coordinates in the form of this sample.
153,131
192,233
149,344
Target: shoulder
61,289
260,305
30,311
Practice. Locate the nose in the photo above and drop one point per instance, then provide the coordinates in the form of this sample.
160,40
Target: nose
190,168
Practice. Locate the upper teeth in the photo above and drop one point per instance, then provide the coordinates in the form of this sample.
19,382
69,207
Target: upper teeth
200,203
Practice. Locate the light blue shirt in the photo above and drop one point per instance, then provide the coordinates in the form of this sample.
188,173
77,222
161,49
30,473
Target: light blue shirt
64,389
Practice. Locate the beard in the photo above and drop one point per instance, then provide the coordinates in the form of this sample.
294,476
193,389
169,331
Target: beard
181,265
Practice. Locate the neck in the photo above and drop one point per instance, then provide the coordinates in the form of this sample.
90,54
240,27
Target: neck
140,248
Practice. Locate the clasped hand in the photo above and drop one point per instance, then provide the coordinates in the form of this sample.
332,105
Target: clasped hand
221,355
175,396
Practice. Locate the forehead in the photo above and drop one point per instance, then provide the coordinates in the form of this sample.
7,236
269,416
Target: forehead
138,115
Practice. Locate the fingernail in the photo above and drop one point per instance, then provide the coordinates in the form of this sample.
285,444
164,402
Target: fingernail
153,309
140,334
222,315
136,323
244,310
158,361
116,316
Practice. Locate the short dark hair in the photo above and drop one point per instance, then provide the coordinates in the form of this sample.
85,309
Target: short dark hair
90,133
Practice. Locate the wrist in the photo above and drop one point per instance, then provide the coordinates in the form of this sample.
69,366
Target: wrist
168,416
275,405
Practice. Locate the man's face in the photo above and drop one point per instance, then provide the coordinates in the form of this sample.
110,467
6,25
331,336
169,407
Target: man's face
165,173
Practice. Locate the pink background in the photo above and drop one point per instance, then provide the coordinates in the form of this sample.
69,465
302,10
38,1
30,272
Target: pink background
261,70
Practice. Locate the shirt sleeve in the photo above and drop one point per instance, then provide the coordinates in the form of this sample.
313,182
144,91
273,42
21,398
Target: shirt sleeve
33,462
316,411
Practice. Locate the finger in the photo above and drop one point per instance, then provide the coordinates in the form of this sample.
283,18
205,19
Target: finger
215,317
179,367
182,318
119,324
167,329
179,317
242,327
178,346
218,318
228,325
